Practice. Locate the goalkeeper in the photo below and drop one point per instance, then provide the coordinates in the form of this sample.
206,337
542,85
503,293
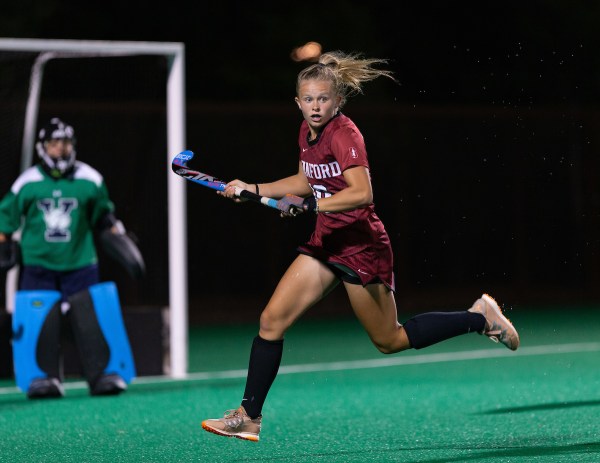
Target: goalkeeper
57,205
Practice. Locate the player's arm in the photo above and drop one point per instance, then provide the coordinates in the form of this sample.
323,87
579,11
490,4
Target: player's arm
296,184
358,193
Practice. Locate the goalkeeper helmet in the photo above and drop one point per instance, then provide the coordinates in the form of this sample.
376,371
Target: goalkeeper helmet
62,165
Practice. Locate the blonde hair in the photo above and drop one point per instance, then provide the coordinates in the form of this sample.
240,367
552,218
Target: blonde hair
347,72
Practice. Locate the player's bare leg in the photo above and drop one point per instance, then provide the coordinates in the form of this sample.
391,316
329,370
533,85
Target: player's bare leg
375,308
305,282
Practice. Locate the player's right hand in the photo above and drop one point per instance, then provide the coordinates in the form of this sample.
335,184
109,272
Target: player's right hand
229,191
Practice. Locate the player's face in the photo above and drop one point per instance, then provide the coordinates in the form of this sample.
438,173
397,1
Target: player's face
318,102
57,148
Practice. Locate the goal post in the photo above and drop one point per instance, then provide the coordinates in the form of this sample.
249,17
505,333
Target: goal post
174,52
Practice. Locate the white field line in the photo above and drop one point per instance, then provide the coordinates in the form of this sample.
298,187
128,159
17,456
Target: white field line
418,359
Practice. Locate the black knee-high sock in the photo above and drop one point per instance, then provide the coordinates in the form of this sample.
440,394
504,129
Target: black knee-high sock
265,358
430,328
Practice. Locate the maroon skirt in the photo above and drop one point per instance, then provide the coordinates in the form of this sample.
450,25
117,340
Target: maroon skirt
373,264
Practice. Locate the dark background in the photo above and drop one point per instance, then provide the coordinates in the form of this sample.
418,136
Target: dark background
484,155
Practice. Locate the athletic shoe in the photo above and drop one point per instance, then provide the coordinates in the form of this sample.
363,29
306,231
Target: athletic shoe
45,388
108,385
235,423
497,327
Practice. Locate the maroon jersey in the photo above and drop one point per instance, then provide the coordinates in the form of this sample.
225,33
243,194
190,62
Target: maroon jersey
356,238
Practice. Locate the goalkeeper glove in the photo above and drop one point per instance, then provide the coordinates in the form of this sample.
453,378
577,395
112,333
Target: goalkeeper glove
9,255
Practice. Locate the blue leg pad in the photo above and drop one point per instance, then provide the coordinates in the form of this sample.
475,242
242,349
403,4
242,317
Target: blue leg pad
30,315
108,311
106,351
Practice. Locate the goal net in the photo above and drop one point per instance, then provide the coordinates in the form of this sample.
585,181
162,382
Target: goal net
126,102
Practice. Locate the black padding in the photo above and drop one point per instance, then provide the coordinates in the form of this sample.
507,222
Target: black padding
6,356
108,220
121,248
93,349
9,255
47,350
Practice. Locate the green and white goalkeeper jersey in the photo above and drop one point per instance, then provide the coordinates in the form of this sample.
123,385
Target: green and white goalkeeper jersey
57,216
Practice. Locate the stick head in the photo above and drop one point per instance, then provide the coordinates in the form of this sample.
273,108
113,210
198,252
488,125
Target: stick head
179,166
182,158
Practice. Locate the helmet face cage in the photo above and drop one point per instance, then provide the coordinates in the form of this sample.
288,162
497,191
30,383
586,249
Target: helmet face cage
56,129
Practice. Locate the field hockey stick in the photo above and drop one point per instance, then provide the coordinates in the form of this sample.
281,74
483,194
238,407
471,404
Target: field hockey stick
179,166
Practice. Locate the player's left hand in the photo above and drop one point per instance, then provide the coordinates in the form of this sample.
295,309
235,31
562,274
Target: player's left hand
292,205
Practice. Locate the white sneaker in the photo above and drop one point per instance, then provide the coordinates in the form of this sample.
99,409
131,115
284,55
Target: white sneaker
497,327
235,423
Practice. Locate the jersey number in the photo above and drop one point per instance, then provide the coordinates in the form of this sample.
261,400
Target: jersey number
321,191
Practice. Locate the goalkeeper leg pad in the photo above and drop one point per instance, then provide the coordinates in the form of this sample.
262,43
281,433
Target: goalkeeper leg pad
101,338
36,337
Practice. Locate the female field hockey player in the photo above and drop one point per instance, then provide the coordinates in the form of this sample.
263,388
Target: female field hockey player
349,243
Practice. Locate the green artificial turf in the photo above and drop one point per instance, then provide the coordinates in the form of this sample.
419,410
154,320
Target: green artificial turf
539,404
